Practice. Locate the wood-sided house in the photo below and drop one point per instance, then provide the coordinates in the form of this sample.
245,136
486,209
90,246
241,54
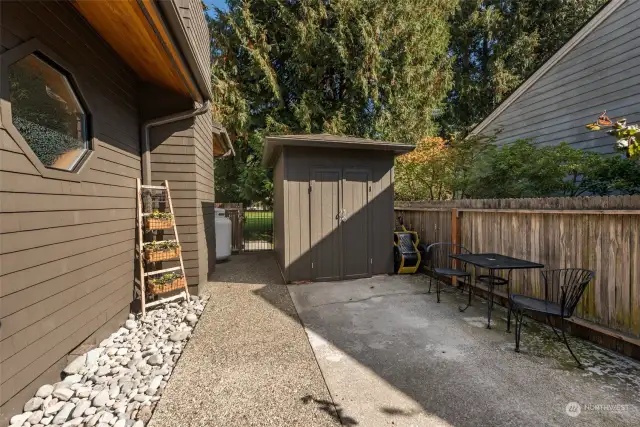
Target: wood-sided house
94,94
596,70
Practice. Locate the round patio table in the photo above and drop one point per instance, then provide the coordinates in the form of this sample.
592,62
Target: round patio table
496,262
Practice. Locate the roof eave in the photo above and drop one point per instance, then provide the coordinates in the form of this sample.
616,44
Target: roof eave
185,45
273,146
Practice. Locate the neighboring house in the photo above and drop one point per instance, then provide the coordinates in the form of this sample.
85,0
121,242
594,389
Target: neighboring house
82,83
597,70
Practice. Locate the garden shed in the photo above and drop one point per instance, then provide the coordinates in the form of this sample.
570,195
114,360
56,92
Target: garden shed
333,205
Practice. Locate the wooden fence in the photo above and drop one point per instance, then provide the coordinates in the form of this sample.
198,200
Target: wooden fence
597,233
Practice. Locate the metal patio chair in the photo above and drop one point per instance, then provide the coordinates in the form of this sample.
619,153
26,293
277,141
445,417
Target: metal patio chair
439,262
563,289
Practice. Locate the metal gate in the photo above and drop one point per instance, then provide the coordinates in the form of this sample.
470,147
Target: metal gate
257,232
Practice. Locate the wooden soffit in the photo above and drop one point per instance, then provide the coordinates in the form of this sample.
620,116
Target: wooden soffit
136,31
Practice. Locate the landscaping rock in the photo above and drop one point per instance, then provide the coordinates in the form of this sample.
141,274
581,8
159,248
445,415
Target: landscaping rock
179,336
119,383
73,423
36,417
19,419
101,399
103,370
53,408
33,404
93,356
63,393
191,318
155,360
64,413
83,392
72,379
75,366
44,391
130,324
81,407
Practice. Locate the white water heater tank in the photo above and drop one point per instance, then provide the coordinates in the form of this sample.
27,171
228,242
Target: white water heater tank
223,235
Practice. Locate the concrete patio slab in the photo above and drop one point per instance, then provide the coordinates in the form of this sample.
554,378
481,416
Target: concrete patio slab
249,362
391,355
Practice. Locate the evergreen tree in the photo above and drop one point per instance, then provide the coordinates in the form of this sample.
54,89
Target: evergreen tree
357,67
498,44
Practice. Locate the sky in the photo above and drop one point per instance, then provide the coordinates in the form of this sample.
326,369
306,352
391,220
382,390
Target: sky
220,4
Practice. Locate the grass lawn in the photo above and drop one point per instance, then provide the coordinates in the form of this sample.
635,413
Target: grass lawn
258,225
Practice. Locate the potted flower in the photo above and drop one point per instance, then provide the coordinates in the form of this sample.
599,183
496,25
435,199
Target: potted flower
165,283
161,251
158,220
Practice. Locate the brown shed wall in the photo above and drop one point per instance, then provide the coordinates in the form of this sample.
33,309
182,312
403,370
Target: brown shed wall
279,214
66,248
299,162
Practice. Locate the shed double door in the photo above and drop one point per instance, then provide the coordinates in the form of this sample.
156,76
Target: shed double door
340,223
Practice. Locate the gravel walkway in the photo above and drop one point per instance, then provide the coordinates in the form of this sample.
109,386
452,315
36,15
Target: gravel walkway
249,362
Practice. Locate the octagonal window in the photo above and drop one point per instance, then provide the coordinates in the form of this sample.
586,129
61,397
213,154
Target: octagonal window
47,112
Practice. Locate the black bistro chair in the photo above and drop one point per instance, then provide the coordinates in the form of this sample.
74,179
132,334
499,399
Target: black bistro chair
563,289
438,262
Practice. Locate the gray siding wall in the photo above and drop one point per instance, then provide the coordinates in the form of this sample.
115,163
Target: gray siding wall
66,248
601,73
205,207
182,154
194,21
299,162
279,219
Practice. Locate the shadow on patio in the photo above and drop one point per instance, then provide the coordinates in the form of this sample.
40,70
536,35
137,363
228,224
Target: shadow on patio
389,354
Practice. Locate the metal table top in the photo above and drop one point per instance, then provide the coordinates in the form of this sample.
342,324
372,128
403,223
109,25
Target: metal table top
496,261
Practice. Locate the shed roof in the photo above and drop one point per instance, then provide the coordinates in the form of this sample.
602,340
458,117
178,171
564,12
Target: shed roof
273,145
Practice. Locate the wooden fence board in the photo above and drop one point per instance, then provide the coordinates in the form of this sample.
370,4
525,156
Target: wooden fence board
597,233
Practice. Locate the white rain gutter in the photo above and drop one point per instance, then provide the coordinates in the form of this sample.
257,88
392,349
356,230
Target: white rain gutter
146,147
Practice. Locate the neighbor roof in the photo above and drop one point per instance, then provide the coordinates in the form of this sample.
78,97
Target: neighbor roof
273,144
592,24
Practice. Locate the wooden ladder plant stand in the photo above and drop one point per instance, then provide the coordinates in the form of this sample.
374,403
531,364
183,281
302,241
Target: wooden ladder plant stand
146,269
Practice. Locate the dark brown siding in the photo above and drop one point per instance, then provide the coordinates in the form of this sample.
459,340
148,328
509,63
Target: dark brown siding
203,132
173,159
181,153
299,162
66,248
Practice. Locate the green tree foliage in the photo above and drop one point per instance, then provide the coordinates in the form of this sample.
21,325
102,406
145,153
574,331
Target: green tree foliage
356,67
475,169
498,44
438,169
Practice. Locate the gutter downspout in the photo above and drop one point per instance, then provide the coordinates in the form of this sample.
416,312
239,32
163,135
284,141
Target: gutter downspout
146,147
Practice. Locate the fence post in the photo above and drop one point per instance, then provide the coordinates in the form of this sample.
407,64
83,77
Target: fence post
456,236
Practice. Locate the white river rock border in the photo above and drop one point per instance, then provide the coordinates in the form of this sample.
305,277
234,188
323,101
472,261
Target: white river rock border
120,382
